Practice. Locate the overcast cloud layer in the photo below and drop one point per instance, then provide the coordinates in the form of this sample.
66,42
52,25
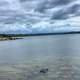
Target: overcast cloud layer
35,16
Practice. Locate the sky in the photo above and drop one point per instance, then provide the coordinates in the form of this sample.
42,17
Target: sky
39,16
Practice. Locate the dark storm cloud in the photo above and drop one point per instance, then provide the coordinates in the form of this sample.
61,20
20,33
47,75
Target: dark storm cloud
74,9
63,14
41,6
47,4
59,15
60,2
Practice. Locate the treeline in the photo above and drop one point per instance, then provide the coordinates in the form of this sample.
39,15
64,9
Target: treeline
38,34
12,35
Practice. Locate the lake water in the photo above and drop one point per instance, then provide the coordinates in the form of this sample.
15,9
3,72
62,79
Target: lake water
23,59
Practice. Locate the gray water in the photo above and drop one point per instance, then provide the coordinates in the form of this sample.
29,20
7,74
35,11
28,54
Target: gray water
22,59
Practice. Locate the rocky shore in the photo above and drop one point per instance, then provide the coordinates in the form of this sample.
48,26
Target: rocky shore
9,38
4,37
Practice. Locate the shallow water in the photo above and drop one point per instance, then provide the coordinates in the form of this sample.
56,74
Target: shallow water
23,59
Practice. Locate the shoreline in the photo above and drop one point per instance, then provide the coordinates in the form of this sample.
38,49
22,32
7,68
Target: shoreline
9,38
4,37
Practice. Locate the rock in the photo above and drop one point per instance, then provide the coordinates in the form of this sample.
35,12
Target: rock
45,70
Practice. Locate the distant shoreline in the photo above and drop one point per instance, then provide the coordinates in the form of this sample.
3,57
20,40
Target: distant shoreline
58,33
4,37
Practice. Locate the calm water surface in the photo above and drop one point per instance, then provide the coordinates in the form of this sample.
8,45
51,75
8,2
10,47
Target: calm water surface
23,59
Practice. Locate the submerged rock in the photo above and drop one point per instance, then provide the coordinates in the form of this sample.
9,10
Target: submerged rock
44,70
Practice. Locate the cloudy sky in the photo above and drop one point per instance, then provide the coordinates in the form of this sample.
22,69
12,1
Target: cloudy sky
33,16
